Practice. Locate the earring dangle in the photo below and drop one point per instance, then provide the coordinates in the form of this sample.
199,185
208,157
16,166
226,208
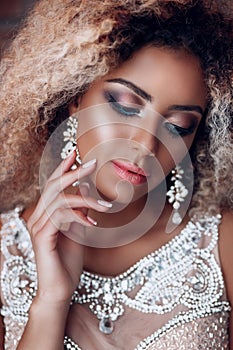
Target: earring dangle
70,135
177,193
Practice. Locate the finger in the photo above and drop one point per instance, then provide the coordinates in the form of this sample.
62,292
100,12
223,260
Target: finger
64,166
67,179
58,185
46,237
72,201
83,191
55,186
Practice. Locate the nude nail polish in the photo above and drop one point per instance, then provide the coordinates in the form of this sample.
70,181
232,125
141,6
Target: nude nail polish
91,162
104,203
92,221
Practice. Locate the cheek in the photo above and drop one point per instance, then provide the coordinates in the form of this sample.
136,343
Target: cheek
172,150
98,142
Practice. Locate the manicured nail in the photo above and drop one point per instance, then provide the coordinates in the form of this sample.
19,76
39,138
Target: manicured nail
70,152
91,162
93,222
104,203
84,188
76,184
85,184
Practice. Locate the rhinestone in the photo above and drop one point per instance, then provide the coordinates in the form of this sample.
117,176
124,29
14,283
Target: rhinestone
106,326
124,284
107,287
108,297
95,284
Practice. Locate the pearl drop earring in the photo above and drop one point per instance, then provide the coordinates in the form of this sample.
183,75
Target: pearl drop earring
177,193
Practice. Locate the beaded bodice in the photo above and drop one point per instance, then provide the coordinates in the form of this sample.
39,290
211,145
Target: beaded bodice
174,298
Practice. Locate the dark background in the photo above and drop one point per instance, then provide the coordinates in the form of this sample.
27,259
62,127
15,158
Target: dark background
11,14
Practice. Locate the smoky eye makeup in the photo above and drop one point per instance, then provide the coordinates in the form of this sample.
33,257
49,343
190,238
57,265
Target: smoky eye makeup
184,126
123,103
127,104
176,130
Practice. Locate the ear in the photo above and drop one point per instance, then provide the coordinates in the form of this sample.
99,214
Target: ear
74,106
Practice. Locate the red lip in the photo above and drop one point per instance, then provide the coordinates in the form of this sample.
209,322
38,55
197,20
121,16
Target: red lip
130,172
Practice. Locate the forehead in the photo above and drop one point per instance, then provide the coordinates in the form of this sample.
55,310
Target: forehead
166,73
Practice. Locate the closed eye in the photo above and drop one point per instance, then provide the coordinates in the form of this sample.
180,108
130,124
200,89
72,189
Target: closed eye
121,109
176,130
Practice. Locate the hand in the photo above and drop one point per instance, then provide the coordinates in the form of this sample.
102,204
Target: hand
59,259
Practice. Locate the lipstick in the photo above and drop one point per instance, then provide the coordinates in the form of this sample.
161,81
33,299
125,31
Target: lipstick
130,172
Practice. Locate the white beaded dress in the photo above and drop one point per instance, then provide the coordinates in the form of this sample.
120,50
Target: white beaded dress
173,298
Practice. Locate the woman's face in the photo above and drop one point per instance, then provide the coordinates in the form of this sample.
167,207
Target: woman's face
140,120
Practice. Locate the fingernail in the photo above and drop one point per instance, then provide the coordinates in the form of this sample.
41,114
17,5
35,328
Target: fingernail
84,188
92,221
91,162
85,184
104,203
70,152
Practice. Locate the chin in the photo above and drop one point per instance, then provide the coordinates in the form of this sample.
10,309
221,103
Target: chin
121,192
111,188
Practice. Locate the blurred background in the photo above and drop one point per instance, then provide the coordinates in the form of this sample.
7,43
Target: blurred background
11,14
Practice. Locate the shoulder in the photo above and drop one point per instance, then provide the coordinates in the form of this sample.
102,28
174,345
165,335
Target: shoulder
226,233
226,250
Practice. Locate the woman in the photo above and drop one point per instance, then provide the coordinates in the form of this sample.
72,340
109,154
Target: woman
148,86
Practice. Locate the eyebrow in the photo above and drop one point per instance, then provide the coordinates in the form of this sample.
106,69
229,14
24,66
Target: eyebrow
188,108
149,98
133,87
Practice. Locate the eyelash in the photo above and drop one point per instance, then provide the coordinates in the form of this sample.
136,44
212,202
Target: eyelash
127,112
123,110
176,130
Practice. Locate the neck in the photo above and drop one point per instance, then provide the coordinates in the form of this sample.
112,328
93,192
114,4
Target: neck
122,214
122,225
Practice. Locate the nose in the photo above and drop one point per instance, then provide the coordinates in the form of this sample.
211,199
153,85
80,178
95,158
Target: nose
143,137
144,141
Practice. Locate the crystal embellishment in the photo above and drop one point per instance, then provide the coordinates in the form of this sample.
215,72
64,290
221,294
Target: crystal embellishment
106,325
18,275
184,274
181,272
